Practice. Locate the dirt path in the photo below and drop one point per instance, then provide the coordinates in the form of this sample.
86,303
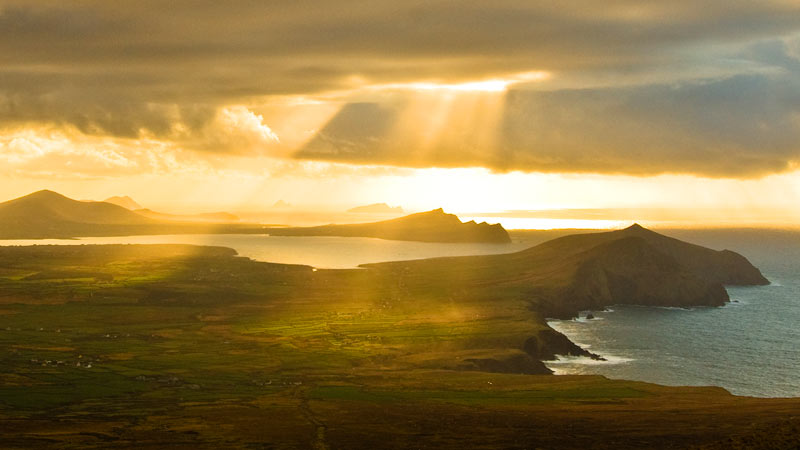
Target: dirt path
318,441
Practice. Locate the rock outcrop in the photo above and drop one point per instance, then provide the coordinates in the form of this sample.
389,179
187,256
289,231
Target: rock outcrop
547,344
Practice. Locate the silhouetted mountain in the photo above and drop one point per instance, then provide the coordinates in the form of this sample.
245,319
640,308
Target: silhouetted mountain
376,208
431,226
124,201
49,214
214,217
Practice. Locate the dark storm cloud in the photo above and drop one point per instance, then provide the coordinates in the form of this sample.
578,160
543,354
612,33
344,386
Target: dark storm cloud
127,68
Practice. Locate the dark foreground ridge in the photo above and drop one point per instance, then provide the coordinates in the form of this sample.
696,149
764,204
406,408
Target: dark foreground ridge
175,346
431,226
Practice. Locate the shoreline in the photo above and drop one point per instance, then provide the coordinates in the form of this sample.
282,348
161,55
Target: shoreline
701,365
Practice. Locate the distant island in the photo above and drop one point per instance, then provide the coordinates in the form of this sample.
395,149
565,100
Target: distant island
212,217
124,201
376,208
431,226
280,204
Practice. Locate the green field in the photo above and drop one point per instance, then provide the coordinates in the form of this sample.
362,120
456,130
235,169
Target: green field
193,347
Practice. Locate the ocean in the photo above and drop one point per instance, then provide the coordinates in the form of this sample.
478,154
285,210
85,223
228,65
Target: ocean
322,252
750,347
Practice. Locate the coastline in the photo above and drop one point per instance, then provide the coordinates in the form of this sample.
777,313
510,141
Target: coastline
221,345
692,347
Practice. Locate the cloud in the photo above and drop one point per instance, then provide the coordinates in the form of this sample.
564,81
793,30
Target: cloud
181,71
737,126
235,130
67,154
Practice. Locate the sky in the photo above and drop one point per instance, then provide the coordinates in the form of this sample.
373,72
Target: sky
686,108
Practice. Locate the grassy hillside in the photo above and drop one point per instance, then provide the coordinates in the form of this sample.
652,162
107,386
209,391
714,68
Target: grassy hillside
183,346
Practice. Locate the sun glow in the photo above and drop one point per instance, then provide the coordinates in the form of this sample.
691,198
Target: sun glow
473,86
488,85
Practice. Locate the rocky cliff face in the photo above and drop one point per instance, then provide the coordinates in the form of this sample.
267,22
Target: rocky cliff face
547,344
632,271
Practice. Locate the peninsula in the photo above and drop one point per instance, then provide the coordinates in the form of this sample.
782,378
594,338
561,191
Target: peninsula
431,226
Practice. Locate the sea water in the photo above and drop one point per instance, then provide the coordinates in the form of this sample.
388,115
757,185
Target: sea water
324,252
750,346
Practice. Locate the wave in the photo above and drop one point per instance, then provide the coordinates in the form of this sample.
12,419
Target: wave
586,361
585,320
735,303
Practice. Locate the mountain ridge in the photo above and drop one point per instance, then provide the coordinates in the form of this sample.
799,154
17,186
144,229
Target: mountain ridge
48,212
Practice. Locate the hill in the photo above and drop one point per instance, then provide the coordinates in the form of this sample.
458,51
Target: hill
376,208
562,277
124,201
49,214
431,226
